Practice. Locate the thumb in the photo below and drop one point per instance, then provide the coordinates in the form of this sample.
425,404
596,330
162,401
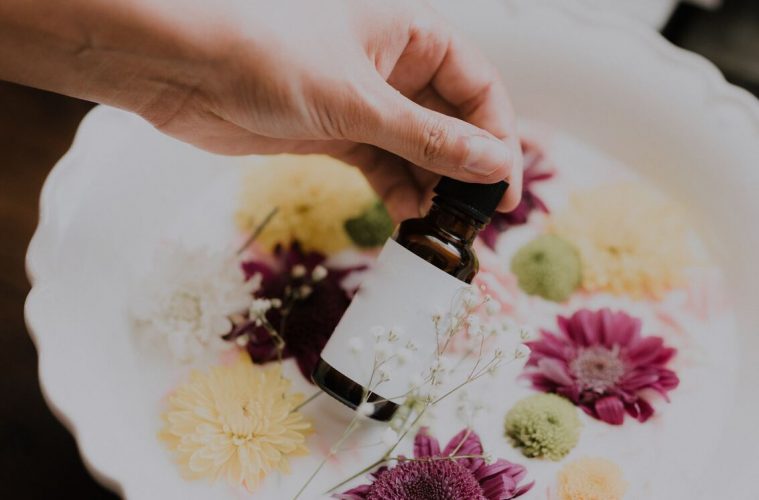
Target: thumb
434,141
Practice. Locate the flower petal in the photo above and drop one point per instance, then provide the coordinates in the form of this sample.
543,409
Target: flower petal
611,410
425,445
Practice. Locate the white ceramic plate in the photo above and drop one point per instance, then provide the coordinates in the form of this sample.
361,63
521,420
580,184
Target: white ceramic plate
604,80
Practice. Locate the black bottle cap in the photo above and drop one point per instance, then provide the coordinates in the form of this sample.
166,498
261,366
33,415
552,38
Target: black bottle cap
476,200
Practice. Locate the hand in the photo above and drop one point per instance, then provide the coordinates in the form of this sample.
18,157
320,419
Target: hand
386,86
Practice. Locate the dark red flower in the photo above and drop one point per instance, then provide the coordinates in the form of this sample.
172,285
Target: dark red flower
431,476
536,169
600,361
311,306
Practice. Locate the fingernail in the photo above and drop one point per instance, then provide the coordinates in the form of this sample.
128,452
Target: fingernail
486,155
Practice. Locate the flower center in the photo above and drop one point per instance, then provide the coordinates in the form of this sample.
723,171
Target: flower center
185,306
426,480
598,368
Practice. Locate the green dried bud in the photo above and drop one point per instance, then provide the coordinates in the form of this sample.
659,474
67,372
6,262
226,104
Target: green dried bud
548,266
371,228
543,426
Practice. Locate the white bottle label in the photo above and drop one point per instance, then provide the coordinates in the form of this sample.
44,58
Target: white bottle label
402,292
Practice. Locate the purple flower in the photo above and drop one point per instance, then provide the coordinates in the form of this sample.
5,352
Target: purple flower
601,362
311,306
432,476
536,169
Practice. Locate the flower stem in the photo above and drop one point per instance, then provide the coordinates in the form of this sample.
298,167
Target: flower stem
258,230
304,403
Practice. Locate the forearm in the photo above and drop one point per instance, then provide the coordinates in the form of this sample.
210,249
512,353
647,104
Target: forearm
128,53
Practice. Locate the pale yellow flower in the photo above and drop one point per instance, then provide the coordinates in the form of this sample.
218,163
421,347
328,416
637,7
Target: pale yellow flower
630,239
315,195
235,422
591,479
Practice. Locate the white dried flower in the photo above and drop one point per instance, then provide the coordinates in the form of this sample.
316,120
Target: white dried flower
366,409
356,345
526,333
185,301
396,333
377,331
319,273
521,351
404,355
259,307
492,307
241,340
298,271
469,296
304,291
383,373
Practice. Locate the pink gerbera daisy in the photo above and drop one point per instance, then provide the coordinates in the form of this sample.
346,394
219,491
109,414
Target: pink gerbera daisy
536,169
436,475
600,361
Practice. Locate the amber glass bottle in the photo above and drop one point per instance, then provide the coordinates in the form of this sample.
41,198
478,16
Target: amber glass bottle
442,238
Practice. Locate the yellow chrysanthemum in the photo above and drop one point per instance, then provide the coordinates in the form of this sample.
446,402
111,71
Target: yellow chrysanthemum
631,240
591,479
315,195
236,422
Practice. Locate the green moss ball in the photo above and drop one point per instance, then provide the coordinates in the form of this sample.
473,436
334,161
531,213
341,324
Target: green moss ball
371,228
543,426
548,266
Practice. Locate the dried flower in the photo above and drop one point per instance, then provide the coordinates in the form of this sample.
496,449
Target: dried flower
600,361
310,210
536,169
186,303
237,422
543,426
630,240
591,479
549,267
431,475
371,228
305,321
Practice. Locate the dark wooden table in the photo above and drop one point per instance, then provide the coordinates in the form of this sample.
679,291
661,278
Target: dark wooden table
38,458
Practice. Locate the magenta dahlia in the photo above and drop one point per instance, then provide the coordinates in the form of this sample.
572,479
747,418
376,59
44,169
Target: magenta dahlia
536,169
436,475
312,303
600,361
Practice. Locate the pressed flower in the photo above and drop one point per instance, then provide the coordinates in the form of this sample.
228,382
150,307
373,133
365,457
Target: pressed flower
630,239
309,303
430,475
600,361
237,422
185,304
543,426
371,228
314,196
536,169
549,267
591,479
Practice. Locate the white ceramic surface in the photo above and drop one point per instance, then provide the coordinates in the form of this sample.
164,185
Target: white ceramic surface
603,79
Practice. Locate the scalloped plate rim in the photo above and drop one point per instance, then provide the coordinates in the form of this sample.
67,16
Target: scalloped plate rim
740,100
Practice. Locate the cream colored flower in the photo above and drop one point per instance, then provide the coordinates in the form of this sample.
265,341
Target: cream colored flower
235,422
631,240
591,479
315,195
183,305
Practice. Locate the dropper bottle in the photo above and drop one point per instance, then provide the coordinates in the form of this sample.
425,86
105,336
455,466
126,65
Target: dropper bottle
419,271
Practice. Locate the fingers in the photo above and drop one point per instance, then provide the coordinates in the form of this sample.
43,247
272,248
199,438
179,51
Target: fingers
390,178
432,140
